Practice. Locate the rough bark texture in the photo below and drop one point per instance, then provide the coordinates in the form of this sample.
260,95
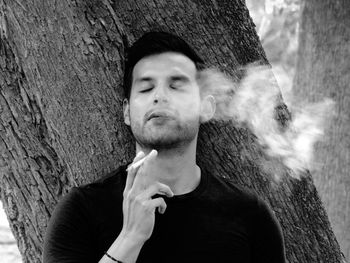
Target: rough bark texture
61,112
323,70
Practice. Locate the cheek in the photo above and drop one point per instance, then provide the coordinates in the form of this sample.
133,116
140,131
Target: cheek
136,111
190,109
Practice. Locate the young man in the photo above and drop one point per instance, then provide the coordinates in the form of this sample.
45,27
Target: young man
167,209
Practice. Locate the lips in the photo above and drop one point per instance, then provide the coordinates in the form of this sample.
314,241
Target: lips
158,114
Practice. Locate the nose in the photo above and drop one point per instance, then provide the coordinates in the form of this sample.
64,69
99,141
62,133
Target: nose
160,95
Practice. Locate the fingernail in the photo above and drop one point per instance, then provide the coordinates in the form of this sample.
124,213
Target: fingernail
169,194
139,153
153,152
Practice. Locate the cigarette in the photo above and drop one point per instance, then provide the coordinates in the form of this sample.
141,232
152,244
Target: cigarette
137,164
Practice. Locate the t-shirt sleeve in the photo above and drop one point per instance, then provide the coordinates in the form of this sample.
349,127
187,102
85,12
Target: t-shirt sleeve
268,243
68,236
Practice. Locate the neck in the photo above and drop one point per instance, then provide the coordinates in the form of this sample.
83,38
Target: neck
176,168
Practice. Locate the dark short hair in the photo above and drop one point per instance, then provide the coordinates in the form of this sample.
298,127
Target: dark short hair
153,43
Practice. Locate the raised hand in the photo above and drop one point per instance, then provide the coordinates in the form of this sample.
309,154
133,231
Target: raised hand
138,205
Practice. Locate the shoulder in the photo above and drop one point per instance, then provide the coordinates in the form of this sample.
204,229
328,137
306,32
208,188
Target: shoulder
247,202
85,197
113,177
235,201
115,181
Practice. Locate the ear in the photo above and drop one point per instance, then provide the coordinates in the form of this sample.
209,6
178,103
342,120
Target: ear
126,110
208,107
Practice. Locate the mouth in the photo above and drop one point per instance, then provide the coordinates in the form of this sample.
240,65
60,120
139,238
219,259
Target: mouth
159,115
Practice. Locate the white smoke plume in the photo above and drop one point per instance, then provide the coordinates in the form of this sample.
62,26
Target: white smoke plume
253,101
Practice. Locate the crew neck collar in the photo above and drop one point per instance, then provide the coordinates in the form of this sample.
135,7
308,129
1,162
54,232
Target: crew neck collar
194,193
187,196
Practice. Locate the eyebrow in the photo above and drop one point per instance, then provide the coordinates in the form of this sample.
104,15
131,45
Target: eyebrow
179,77
175,77
143,79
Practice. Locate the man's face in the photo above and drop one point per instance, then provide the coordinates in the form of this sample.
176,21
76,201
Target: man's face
164,106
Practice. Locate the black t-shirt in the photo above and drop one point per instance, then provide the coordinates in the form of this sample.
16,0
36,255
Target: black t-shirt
217,222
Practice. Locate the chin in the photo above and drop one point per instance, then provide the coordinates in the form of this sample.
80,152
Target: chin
161,141
166,136
164,141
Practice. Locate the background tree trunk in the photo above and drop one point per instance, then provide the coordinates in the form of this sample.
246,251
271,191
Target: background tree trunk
323,70
61,110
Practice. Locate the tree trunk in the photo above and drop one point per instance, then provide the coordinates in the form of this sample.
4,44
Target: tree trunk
323,70
61,110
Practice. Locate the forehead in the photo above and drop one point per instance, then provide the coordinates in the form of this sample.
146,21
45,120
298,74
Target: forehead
164,63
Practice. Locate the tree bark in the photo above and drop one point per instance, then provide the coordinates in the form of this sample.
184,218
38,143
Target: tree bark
61,120
323,70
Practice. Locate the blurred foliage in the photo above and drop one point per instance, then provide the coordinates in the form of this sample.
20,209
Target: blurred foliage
277,24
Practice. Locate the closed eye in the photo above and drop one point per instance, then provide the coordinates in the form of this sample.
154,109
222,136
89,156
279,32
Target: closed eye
146,90
175,85
178,81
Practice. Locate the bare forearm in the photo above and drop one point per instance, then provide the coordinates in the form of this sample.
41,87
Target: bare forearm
125,249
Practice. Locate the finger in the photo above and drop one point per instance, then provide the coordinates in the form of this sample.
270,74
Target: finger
148,159
157,188
133,171
137,158
141,160
151,156
157,203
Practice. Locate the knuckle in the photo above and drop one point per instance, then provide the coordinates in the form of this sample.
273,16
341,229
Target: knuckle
160,186
125,193
154,187
139,199
145,205
164,188
130,196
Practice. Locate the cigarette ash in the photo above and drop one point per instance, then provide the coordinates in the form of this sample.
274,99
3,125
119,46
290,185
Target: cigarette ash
253,102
